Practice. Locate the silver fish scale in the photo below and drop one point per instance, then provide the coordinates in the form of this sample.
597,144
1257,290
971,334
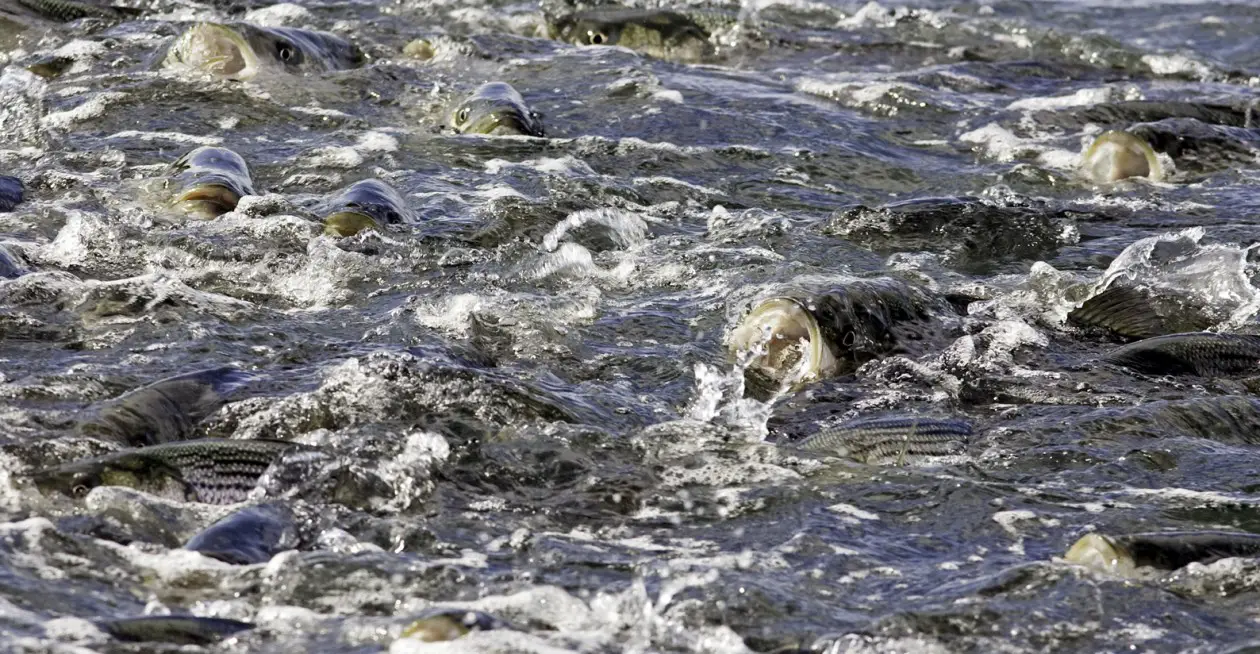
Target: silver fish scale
1198,353
223,472
872,440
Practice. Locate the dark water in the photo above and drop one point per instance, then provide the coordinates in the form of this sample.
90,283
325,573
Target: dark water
528,385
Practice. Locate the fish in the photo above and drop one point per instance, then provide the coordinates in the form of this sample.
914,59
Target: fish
208,181
241,51
1166,550
811,337
11,193
165,411
890,438
251,535
1206,354
11,265
176,629
498,109
365,204
442,624
974,233
1231,419
209,471
62,11
1114,156
659,33
1141,312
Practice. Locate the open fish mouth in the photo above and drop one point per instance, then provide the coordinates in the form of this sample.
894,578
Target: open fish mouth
499,122
349,223
1114,156
1100,553
208,200
785,342
218,50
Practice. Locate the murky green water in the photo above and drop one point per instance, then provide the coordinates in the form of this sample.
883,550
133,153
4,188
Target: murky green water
526,389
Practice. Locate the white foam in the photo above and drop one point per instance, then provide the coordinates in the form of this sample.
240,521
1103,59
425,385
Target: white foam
1177,64
278,15
624,227
1081,98
177,137
93,107
1000,143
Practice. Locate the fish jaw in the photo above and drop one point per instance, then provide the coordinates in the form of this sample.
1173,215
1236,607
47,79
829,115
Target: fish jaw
1114,156
786,342
348,223
207,200
1101,553
218,50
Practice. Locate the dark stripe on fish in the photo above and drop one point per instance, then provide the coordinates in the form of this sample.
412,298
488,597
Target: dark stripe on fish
213,470
65,11
223,471
1175,549
1205,354
175,629
891,439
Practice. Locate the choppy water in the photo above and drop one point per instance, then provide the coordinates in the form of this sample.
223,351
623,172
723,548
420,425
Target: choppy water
533,370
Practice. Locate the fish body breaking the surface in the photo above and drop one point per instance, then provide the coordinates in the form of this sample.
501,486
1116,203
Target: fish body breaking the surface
209,181
807,338
60,11
365,204
1135,312
496,108
443,624
211,471
891,439
659,33
240,51
252,535
175,629
1164,550
10,192
11,265
165,411
1206,354
1114,156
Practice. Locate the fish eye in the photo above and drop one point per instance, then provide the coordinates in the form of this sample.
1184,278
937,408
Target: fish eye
79,490
597,38
462,115
286,52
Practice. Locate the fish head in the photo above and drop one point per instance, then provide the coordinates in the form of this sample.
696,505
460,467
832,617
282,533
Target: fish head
74,480
663,34
1101,553
299,49
784,342
585,28
209,181
443,624
495,109
77,479
366,204
1114,156
222,50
